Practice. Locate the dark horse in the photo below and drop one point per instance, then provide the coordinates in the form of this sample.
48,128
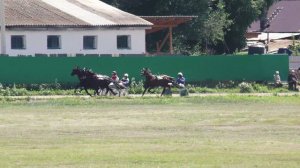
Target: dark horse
153,81
105,82
90,80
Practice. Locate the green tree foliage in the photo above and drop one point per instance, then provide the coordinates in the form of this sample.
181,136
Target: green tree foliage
220,26
242,13
215,25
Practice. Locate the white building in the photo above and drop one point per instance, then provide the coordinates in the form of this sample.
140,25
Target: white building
71,27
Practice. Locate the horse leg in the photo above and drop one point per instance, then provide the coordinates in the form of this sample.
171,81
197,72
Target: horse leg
75,90
101,92
119,91
114,93
96,92
111,90
87,92
144,91
163,91
106,91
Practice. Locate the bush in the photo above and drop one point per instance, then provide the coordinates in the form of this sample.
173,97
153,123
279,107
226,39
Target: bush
246,88
191,88
13,91
260,88
136,87
226,84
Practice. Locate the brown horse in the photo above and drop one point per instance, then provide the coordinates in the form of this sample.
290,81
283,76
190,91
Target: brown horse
153,81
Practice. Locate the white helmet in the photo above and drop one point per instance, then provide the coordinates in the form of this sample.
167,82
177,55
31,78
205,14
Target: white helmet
126,75
180,74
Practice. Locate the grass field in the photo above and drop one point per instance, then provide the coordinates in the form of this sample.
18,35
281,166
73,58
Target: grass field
230,131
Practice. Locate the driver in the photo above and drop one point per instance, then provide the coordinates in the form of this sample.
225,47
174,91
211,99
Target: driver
125,80
114,76
180,80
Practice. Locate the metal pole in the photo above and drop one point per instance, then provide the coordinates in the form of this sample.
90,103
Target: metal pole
2,20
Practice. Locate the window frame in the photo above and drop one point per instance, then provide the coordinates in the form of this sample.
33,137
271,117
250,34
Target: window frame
59,42
23,42
95,42
128,47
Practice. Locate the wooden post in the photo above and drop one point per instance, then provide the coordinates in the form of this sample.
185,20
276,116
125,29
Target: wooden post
157,47
171,40
161,44
2,20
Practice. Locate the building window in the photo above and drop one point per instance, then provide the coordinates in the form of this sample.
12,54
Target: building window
53,42
123,42
18,42
89,42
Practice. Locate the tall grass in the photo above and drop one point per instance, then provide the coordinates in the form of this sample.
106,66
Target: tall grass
137,88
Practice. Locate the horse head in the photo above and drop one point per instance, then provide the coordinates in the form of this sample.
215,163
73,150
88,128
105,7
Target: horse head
76,71
145,72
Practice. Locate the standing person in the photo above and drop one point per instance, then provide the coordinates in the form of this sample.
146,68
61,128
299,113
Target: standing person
292,80
277,80
114,76
125,80
180,80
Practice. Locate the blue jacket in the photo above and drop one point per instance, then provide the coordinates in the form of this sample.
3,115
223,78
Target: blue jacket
180,80
125,82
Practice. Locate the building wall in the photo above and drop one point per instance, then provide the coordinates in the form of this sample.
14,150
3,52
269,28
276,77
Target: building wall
72,41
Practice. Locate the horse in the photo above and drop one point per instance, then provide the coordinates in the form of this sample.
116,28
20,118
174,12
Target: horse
106,83
153,81
89,80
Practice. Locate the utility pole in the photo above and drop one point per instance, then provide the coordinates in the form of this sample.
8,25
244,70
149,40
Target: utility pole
2,20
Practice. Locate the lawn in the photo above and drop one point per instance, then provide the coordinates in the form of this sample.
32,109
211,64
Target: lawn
230,131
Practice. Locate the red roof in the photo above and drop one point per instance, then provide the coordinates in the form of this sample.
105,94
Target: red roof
285,19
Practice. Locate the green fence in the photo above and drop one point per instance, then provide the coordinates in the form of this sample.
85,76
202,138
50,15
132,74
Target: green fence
36,70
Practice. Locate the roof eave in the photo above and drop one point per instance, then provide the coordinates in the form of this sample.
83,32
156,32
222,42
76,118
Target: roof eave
77,26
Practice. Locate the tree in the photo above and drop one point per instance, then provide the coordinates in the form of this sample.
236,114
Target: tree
214,27
220,27
243,13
